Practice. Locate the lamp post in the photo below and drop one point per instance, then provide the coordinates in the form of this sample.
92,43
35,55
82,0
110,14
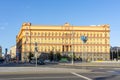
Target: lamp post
117,54
53,54
72,42
84,40
36,50
25,56
112,54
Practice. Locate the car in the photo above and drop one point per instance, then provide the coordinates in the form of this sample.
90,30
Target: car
64,60
32,61
2,61
47,61
40,62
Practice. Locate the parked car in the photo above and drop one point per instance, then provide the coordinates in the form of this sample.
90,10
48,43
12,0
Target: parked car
41,62
1,61
47,61
64,60
32,61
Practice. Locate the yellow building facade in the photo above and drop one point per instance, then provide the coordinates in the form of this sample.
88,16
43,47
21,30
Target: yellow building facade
65,39
13,51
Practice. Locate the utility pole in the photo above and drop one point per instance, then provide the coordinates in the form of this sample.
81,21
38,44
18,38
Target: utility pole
72,47
117,53
25,52
36,50
112,54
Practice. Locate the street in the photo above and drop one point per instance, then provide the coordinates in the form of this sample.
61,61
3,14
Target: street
59,72
62,76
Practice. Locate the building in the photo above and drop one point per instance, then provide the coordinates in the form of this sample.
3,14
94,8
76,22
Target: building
7,58
13,51
6,51
0,51
115,53
65,38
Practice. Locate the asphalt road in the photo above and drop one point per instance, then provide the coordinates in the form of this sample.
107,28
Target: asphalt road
60,72
62,76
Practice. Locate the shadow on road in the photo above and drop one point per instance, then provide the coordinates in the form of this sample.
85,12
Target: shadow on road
105,78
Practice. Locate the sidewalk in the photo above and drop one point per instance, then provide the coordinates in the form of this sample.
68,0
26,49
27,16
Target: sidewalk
28,70
94,64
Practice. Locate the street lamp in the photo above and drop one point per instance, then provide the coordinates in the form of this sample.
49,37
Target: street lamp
72,42
112,54
84,40
117,53
36,50
54,53
25,56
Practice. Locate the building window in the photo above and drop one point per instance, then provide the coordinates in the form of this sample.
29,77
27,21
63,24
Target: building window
91,35
49,34
52,34
97,35
55,34
94,35
31,33
87,34
38,33
59,34
101,35
35,33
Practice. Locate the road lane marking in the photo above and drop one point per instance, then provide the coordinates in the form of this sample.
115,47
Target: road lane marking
116,68
81,76
114,72
110,71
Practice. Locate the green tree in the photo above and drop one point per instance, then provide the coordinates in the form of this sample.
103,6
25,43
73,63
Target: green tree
51,56
30,56
58,55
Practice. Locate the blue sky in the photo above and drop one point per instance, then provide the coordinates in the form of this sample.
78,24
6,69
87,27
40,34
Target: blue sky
56,12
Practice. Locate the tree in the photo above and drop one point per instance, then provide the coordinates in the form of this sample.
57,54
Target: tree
30,56
51,56
58,55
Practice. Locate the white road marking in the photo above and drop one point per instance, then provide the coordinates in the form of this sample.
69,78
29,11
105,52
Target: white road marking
81,76
110,71
116,68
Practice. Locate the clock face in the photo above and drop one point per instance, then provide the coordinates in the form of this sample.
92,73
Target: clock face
84,38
